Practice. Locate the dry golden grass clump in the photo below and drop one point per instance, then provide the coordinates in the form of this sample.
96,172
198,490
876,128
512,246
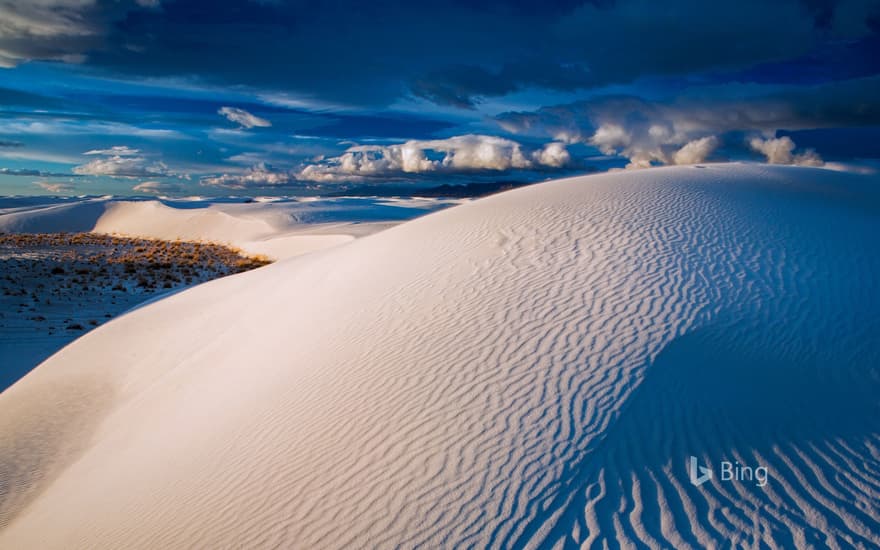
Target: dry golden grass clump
152,254
74,279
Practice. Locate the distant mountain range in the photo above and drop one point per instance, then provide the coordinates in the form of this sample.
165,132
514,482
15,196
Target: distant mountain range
464,190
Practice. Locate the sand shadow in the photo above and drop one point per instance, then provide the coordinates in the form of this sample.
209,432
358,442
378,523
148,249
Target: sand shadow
791,395
44,429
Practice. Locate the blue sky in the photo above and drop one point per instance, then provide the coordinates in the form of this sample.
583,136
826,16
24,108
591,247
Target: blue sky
184,97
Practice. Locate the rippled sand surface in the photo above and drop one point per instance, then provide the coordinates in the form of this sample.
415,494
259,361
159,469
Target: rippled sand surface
533,369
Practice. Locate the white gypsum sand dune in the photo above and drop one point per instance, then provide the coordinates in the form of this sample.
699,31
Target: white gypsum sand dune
530,369
279,229
276,228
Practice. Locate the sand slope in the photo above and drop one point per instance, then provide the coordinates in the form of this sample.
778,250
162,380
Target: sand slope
532,369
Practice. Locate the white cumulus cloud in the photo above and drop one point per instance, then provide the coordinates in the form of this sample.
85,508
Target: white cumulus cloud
121,161
781,151
554,155
646,145
696,151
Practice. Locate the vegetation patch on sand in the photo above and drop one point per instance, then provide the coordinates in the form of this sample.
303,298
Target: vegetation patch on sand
56,286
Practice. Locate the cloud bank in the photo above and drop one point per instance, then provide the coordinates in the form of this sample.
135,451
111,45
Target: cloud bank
688,130
458,154
489,49
463,154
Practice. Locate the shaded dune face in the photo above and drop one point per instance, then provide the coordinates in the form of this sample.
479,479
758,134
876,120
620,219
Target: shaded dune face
783,374
38,441
531,369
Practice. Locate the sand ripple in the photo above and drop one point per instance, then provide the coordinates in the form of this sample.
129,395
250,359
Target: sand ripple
528,370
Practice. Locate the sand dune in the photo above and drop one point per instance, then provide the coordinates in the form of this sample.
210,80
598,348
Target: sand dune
279,228
532,369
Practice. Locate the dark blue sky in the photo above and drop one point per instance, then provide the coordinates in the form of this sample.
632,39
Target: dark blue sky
274,97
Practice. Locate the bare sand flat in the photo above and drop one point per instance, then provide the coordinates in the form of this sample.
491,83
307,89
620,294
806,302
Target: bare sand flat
532,370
